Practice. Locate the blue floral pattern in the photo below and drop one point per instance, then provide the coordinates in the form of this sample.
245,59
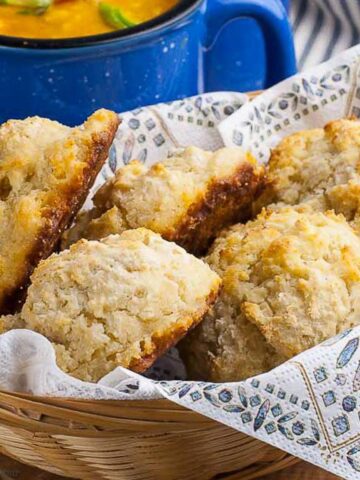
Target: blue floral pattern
300,406
260,412
324,93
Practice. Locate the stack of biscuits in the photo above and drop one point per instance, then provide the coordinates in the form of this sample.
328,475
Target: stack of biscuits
244,266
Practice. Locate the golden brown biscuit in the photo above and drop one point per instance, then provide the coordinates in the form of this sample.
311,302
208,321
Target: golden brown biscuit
93,225
10,322
46,171
187,198
121,301
226,347
320,167
290,280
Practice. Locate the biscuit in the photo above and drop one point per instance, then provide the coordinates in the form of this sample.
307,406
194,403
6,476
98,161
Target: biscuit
226,347
320,167
290,281
93,225
46,171
188,198
10,322
121,301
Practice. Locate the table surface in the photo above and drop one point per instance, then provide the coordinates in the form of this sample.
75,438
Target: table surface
302,471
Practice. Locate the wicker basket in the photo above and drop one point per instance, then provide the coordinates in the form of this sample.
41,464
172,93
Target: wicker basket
129,440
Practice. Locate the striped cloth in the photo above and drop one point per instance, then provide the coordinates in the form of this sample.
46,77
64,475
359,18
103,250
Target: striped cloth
323,28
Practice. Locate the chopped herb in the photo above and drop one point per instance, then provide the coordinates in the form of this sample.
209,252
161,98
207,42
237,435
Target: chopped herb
33,11
27,4
113,16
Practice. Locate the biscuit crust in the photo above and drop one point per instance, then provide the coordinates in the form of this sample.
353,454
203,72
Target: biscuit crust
226,347
160,344
226,202
187,198
93,225
320,167
121,301
290,281
46,171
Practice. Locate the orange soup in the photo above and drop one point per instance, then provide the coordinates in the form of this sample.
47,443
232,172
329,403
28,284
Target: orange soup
75,18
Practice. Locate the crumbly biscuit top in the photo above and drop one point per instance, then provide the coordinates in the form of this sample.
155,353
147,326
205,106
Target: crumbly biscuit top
227,347
296,274
44,166
10,322
106,303
93,225
159,196
318,166
37,154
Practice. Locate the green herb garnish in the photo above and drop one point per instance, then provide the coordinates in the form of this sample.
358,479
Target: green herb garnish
114,17
27,4
33,11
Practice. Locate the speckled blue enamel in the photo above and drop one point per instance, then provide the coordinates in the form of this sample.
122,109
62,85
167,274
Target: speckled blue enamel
172,60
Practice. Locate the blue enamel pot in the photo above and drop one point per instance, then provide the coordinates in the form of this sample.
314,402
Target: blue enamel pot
165,59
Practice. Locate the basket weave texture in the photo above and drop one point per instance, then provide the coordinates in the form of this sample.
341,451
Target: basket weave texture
129,440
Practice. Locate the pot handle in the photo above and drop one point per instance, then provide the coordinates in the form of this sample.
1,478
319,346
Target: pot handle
273,20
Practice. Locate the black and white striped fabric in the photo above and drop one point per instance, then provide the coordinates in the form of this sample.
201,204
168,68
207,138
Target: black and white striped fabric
323,28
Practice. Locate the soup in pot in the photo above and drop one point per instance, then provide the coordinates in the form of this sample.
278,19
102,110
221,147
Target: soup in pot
75,18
